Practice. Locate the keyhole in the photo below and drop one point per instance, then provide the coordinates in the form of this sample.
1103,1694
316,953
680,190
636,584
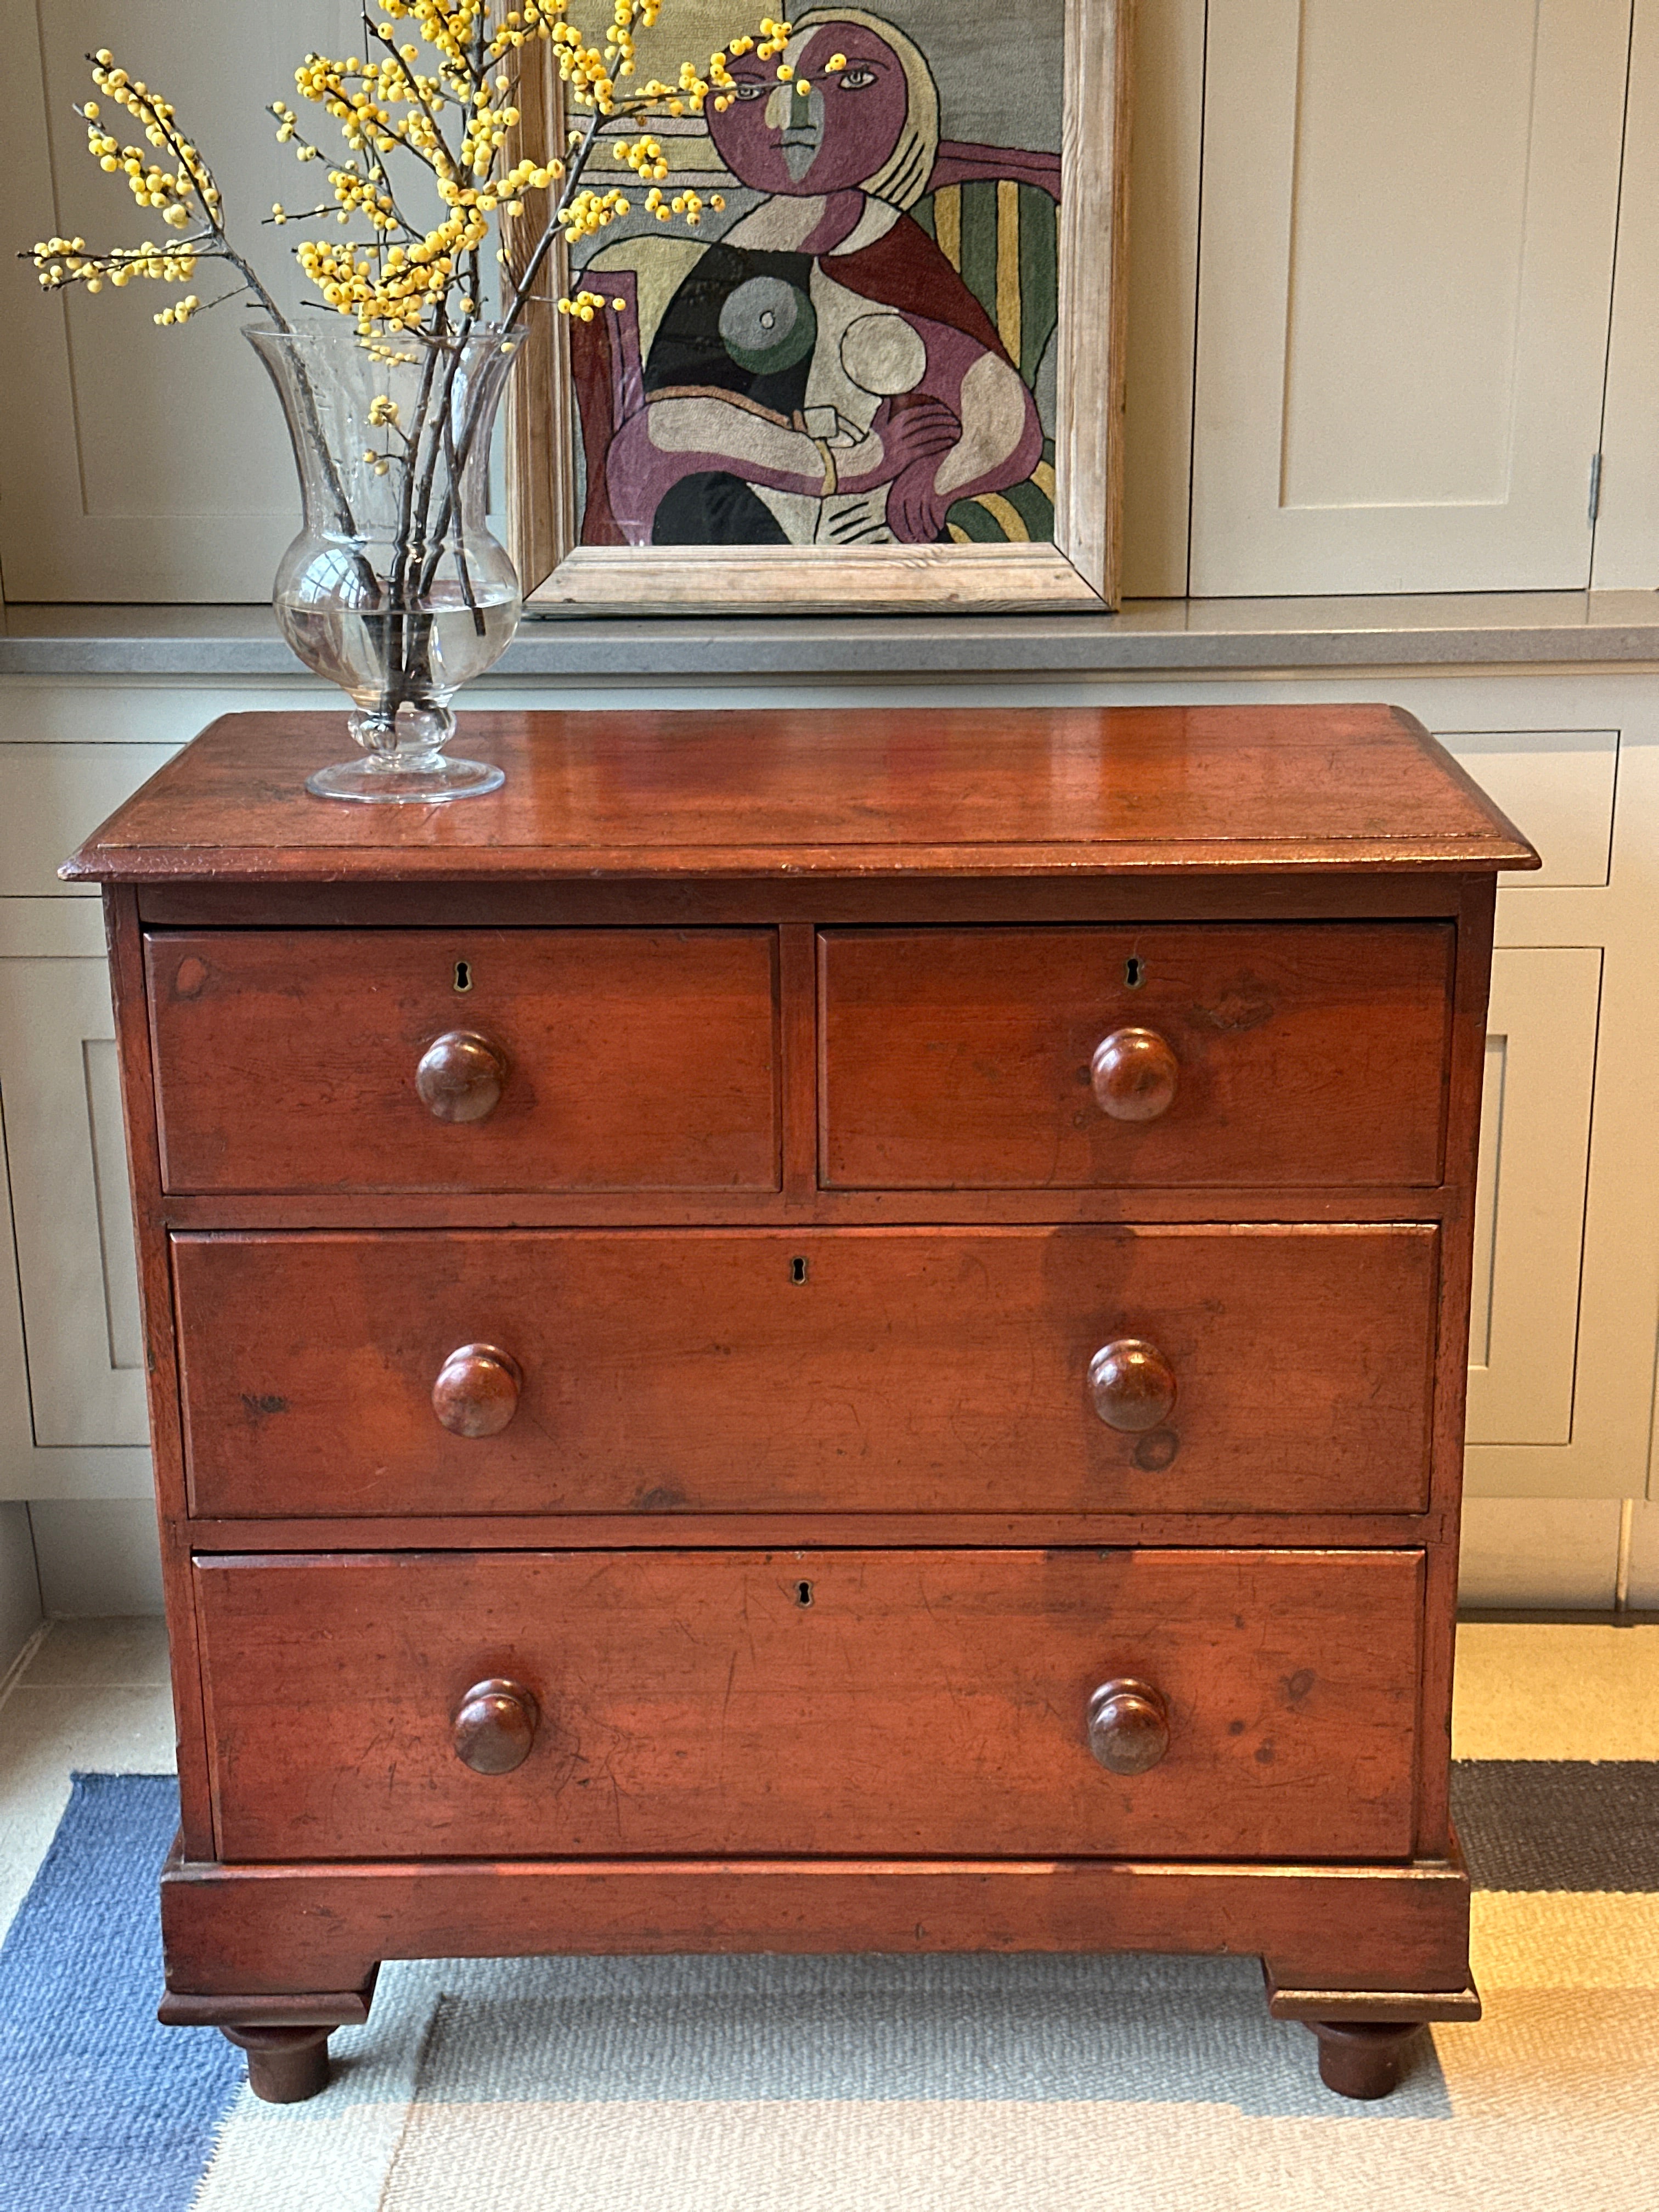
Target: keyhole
798,1271
462,975
803,1593
1134,975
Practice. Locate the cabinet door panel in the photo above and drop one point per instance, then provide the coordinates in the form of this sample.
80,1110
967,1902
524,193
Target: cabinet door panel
69,1193
1529,1220
138,464
1404,291
50,795
1557,787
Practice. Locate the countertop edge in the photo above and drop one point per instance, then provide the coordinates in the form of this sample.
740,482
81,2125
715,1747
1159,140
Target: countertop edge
1154,637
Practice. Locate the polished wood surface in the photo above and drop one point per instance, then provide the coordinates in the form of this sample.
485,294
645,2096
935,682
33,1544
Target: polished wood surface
1128,1726
688,1702
292,1061
716,1420
875,1370
285,2065
478,1391
911,791
1134,1073
494,1726
460,1076
956,1059
1132,1385
253,1934
1363,2059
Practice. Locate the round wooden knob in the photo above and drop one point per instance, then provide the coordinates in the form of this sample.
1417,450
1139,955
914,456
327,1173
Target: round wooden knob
460,1076
477,1392
1134,1073
1132,1385
495,1726
1129,1727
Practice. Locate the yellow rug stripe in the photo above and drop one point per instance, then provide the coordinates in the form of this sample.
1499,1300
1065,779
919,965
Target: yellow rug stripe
1545,1691
1564,1939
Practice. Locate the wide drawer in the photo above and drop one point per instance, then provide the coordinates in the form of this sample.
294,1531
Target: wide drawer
865,1703
1294,1056
915,1370
476,1059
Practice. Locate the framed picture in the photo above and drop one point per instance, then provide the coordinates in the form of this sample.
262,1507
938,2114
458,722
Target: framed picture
884,370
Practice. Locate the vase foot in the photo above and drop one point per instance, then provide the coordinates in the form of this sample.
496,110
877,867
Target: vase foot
422,781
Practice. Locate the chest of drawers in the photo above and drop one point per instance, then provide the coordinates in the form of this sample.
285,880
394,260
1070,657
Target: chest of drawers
812,1332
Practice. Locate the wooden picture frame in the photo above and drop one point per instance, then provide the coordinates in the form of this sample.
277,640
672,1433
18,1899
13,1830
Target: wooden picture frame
1077,572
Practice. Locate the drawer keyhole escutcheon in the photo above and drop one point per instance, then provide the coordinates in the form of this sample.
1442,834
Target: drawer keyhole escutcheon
495,1726
462,975
1134,1074
1132,1385
460,1076
803,1593
477,1392
1128,1726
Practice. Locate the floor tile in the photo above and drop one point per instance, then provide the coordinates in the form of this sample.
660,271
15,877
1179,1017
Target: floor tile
119,1654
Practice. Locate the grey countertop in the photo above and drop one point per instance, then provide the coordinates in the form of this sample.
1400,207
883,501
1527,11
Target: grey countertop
1150,637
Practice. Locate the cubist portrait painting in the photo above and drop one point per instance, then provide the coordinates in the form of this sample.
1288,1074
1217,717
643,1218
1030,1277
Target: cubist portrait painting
855,343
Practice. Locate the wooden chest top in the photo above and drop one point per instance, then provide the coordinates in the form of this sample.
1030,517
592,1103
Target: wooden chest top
917,792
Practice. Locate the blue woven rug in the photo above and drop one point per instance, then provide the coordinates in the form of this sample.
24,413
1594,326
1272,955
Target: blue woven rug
889,2084
99,2107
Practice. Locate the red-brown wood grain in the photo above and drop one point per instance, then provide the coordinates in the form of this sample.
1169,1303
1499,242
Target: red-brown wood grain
269,1931
1291,1237
287,1060
918,790
876,1370
962,1058
865,1703
1213,893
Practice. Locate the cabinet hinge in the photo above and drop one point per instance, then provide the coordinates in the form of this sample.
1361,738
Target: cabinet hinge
1595,488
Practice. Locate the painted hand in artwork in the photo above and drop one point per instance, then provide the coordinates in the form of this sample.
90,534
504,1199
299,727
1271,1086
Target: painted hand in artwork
910,435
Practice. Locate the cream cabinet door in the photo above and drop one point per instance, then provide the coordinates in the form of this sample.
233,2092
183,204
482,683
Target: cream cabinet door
80,1429
1404,293
140,464
1534,1173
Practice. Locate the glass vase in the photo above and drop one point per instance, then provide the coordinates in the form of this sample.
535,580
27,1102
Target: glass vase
394,588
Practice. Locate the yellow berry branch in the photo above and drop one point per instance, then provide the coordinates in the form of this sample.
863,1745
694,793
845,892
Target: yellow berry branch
437,82
446,97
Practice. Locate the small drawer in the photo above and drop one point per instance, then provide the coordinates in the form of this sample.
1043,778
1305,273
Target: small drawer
1255,1369
467,1059
1300,1055
1152,1705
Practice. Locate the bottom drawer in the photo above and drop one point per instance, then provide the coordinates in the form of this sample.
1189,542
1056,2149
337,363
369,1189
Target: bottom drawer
876,1703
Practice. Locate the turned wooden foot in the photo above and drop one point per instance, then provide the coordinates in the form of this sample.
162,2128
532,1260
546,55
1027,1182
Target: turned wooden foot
1362,2058
285,2065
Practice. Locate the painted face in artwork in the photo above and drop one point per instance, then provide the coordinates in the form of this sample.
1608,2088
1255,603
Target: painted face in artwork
827,139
